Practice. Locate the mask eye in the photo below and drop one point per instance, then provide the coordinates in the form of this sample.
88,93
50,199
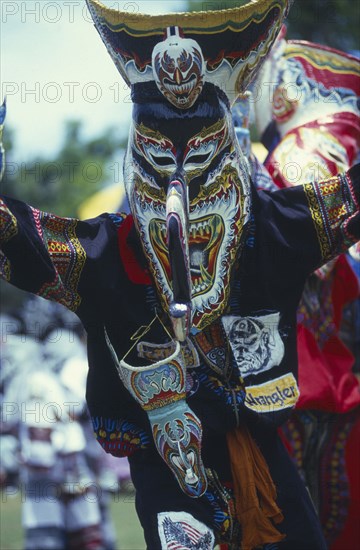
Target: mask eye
157,149
163,160
198,159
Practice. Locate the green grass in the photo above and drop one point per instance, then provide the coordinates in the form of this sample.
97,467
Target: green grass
128,529
11,535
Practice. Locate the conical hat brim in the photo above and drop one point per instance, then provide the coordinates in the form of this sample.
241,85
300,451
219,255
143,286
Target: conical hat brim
234,42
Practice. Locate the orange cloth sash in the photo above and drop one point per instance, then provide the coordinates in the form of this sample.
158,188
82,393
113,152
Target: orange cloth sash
255,492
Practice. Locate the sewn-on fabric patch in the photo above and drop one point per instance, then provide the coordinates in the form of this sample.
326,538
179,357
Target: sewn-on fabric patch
181,531
272,396
255,342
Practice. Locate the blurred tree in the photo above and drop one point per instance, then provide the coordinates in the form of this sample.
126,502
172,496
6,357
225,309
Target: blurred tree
334,23
81,168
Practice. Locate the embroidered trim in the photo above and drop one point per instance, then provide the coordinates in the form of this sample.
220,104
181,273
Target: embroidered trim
332,206
54,291
117,218
334,479
67,255
158,352
8,229
352,198
119,437
233,395
8,223
293,432
222,501
214,349
317,443
5,268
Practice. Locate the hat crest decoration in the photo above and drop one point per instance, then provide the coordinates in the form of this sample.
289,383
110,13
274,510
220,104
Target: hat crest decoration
178,67
222,47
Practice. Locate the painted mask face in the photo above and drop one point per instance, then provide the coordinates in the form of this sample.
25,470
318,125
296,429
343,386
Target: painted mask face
178,67
198,147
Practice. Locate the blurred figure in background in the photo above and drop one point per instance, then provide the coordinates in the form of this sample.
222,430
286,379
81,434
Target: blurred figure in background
65,490
307,113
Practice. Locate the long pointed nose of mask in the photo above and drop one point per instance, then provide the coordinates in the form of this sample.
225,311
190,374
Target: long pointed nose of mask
177,216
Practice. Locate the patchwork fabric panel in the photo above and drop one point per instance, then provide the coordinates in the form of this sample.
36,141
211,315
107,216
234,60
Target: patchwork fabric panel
181,531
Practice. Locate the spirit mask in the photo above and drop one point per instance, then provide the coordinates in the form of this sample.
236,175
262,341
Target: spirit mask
188,188
185,174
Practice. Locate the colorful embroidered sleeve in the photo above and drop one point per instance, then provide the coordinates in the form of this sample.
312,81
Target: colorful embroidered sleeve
334,208
41,253
8,228
315,221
